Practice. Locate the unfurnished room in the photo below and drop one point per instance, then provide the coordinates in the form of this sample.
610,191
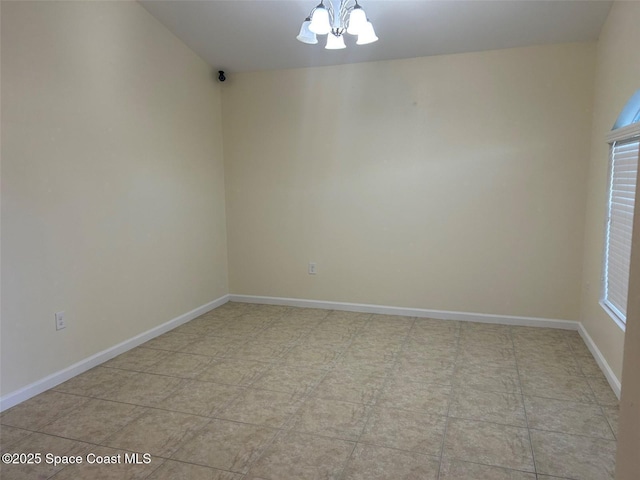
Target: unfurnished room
320,240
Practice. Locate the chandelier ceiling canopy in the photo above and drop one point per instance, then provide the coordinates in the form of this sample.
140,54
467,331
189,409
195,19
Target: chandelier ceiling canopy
334,20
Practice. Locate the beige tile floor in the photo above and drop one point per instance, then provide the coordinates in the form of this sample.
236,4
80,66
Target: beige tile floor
277,393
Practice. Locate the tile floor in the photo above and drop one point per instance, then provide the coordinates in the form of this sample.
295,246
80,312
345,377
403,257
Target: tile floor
276,393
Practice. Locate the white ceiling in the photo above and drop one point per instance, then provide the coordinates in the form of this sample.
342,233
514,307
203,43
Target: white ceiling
248,35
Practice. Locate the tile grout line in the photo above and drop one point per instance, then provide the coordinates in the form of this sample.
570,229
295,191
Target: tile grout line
291,346
524,405
450,400
305,397
211,418
388,377
282,428
144,412
156,407
600,406
353,337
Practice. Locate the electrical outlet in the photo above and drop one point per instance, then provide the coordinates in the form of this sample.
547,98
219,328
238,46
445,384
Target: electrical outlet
60,321
312,268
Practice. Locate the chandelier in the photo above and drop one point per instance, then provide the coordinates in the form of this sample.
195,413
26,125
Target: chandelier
338,18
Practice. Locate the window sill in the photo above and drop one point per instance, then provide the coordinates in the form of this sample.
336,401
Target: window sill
613,316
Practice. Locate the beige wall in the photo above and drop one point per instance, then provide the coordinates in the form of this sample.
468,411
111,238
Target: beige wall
112,182
454,182
617,78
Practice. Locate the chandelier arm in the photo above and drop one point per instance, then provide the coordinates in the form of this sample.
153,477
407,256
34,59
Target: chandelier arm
342,15
344,11
321,4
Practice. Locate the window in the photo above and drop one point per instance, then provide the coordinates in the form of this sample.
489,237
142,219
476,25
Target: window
623,173
622,187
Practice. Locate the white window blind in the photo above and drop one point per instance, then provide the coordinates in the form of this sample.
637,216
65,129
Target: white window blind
622,190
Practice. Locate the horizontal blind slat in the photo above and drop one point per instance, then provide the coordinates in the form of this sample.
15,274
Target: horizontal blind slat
622,191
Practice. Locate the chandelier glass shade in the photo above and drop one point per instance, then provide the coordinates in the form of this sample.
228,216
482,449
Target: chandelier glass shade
334,20
335,42
306,35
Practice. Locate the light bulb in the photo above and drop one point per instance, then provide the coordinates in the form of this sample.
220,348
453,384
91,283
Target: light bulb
357,20
335,42
367,34
320,21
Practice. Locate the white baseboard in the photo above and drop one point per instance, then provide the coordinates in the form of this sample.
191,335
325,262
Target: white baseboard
446,315
39,386
600,360
411,312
